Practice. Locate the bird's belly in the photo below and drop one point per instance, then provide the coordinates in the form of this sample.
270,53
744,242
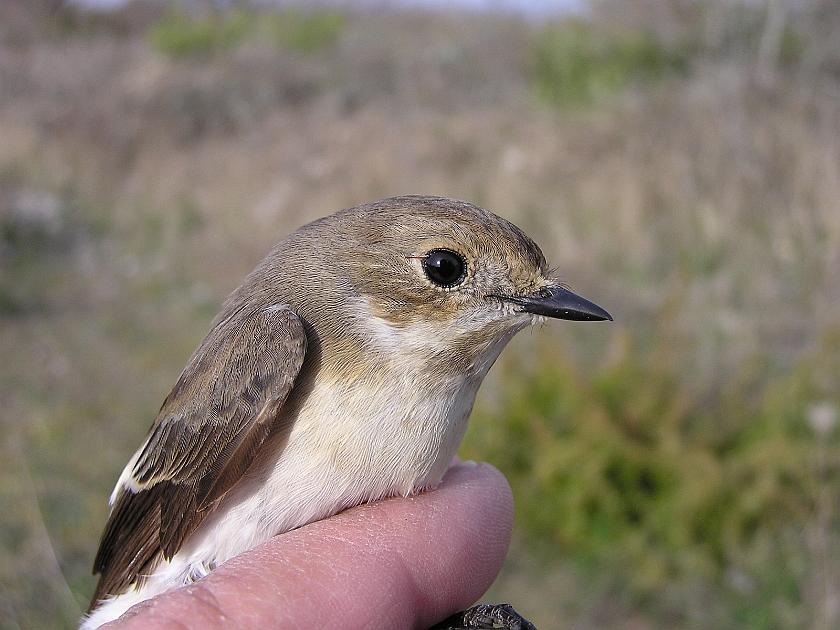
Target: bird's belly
342,451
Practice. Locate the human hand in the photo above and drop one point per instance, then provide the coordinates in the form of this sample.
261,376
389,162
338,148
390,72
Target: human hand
398,563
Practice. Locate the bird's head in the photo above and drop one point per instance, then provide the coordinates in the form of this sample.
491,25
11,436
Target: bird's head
431,276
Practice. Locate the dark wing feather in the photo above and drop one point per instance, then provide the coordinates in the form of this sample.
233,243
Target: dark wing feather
206,435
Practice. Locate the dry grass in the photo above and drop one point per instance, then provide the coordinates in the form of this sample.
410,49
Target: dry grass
137,189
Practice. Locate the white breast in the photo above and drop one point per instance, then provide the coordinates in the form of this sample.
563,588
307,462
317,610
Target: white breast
349,444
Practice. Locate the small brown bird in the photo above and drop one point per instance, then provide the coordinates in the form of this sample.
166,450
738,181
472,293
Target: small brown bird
343,370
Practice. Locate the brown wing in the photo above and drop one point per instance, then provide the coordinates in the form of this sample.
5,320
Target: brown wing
206,435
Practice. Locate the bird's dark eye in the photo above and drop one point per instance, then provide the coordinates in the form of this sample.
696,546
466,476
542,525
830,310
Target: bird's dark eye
444,267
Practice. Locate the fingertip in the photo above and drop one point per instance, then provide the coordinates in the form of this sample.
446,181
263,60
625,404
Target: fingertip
475,518
489,479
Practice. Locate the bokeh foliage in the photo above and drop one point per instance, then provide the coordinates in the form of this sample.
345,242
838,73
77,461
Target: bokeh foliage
632,466
575,63
179,33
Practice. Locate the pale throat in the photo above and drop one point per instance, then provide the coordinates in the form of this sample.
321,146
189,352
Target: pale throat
477,335
387,423
402,415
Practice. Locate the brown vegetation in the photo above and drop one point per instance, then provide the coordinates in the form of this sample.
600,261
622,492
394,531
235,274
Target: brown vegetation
701,207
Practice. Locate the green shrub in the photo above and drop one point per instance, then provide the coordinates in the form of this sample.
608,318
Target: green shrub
307,32
631,467
179,33
574,64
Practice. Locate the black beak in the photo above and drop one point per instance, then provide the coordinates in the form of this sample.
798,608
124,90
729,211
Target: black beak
559,303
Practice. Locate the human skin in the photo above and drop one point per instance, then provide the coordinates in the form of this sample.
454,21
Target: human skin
398,563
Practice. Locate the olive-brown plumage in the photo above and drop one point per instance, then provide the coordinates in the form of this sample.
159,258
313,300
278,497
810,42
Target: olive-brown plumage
205,437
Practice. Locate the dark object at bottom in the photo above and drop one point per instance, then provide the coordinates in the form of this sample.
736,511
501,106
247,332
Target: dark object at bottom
483,617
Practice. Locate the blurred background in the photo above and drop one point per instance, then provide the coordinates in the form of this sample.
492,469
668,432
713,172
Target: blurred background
677,160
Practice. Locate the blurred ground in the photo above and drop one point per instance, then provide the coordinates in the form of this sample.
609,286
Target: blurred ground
678,161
